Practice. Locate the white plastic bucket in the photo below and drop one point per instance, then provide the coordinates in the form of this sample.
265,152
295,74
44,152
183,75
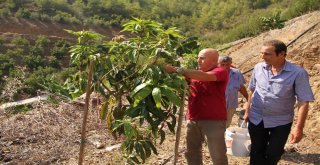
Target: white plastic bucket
238,141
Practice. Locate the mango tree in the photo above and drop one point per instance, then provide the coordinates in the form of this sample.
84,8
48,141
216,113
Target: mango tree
140,100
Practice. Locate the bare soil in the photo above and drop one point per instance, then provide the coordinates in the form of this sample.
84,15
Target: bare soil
50,134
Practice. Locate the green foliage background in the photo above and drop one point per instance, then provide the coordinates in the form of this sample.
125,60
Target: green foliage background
214,21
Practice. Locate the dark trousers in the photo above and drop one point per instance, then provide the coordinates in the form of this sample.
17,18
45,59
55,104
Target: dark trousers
267,144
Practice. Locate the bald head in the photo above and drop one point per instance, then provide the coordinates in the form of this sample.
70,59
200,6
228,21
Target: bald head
208,59
210,53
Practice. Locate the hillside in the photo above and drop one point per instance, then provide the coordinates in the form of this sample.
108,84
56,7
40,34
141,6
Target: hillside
50,134
11,26
28,47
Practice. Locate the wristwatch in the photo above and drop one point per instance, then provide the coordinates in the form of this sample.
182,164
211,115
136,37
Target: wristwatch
179,70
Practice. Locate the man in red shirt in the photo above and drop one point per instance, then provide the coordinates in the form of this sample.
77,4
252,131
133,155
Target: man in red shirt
207,111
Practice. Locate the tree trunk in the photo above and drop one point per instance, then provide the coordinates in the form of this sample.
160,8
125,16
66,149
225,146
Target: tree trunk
85,114
178,133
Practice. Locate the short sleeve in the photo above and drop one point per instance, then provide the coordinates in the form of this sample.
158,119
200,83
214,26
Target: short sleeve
242,81
252,83
221,73
302,87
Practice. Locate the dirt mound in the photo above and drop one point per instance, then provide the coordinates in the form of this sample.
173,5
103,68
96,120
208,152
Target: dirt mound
51,134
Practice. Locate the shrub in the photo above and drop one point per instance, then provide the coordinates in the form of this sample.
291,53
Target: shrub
60,49
44,17
299,7
37,51
96,20
46,6
21,109
54,62
20,41
4,12
15,53
7,64
34,61
64,17
42,41
1,41
66,73
12,84
272,22
23,13
16,4
261,4
33,82
249,28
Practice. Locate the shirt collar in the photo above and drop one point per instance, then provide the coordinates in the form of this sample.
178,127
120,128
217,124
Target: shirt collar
232,70
286,67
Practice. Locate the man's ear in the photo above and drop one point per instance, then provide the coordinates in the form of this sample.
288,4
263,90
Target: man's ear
283,53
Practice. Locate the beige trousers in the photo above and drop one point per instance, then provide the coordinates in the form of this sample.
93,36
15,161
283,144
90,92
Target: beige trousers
230,113
211,131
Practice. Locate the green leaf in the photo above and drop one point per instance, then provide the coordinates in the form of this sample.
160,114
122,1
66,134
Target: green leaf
144,114
57,88
174,32
116,125
139,87
126,145
143,93
171,127
133,111
156,93
109,63
154,111
172,97
162,136
135,159
154,149
140,151
152,123
128,130
147,148
130,146
174,120
101,90
155,132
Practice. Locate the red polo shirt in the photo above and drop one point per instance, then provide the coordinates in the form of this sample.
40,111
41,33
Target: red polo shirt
207,100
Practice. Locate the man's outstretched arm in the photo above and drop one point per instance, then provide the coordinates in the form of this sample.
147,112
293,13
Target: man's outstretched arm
191,73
